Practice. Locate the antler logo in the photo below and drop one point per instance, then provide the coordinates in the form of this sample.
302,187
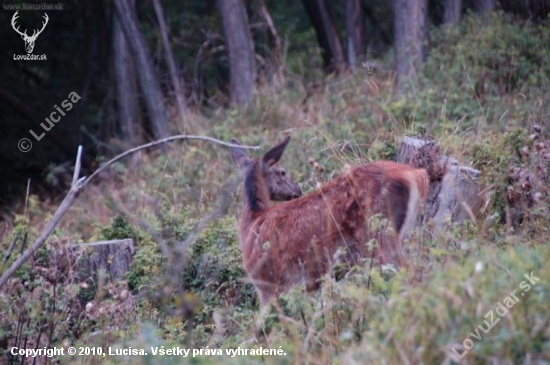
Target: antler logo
29,41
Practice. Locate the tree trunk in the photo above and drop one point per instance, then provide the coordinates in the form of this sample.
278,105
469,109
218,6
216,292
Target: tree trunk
484,6
238,42
409,37
148,82
327,35
275,43
88,71
176,83
452,12
354,31
101,21
126,87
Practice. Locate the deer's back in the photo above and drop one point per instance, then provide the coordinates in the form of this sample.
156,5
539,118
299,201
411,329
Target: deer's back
301,236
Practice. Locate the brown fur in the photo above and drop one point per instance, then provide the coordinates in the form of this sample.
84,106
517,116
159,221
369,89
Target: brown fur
297,241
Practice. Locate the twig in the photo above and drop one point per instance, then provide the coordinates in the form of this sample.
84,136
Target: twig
59,213
12,246
77,166
99,243
159,142
27,197
176,83
196,92
271,26
276,54
97,142
24,243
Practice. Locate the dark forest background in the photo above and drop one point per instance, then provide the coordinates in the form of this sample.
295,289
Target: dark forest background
140,65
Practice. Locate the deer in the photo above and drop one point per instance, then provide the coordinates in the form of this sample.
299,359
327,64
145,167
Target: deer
299,239
29,40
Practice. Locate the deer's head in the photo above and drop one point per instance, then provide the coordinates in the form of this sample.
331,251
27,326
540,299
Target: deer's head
279,185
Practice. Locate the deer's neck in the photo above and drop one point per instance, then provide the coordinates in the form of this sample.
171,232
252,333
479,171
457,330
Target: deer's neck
256,193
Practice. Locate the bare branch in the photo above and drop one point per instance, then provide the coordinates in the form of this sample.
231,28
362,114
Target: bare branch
271,26
176,84
77,166
83,182
159,142
12,246
59,213
99,243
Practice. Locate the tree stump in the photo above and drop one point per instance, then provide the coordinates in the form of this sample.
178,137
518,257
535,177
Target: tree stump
459,198
115,257
454,195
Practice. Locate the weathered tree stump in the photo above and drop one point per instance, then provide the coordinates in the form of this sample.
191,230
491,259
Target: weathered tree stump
459,197
114,257
422,154
454,195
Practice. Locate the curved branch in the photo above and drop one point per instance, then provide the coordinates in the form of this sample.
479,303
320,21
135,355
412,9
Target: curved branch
159,142
80,184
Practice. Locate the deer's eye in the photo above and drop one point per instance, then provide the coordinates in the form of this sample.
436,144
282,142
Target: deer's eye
283,173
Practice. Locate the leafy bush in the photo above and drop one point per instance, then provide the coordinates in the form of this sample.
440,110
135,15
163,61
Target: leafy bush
476,65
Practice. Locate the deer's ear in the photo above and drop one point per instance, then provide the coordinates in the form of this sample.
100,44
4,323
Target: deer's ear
273,156
239,154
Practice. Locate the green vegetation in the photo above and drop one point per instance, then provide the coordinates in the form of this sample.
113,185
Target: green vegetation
480,94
